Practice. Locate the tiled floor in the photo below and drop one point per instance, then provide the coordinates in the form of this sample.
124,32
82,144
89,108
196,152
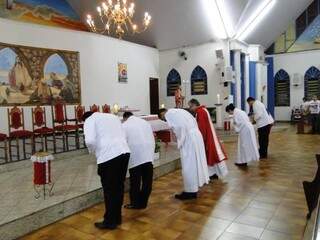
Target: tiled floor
265,201
73,175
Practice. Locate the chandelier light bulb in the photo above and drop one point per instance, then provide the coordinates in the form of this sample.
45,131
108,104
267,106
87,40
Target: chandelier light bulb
117,18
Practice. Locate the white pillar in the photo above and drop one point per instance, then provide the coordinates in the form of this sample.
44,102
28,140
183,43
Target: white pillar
237,69
247,80
261,84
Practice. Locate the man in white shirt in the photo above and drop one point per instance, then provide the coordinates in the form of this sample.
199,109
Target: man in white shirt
105,137
193,155
314,109
141,142
264,123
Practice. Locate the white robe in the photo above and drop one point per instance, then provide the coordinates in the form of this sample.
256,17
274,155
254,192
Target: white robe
247,142
141,141
192,151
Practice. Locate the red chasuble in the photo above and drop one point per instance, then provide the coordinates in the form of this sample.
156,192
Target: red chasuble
214,150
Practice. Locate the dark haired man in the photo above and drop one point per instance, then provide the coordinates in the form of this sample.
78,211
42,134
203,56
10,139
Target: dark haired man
141,142
264,123
215,152
106,139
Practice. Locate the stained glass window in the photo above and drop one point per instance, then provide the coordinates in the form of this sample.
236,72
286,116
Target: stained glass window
199,84
312,82
173,81
282,88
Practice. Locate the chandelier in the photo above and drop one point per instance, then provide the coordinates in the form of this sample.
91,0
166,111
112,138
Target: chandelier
116,18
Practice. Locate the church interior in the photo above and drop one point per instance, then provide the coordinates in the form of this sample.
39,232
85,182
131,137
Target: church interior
160,120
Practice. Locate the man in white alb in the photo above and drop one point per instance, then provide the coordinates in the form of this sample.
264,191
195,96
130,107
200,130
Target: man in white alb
106,138
193,155
264,123
247,142
141,142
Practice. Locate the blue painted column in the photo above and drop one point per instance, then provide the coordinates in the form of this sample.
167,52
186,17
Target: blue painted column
243,84
271,89
232,85
252,79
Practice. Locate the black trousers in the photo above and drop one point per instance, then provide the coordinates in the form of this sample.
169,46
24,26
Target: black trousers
141,178
315,122
263,136
113,174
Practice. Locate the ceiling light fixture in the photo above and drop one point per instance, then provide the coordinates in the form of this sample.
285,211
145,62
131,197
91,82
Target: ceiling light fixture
255,19
214,16
117,17
225,17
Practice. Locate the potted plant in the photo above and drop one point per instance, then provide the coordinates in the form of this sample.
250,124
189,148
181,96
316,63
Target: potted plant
157,149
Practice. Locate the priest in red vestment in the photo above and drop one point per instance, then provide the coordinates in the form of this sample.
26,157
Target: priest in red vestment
214,149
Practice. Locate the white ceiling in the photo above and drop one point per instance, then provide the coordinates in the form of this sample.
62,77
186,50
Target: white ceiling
178,23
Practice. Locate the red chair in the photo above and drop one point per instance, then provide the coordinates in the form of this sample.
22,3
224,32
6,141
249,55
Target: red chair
61,125
40,129
17,132
94,108
106,108
78,113
4,141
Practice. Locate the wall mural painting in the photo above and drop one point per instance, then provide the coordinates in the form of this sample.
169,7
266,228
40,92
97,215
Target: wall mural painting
30,76
56,13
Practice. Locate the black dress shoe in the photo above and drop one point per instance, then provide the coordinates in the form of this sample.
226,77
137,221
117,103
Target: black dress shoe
214,176
130,206
241,164
102,225
186,195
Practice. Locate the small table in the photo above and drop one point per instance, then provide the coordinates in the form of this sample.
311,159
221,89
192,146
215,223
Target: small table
42,173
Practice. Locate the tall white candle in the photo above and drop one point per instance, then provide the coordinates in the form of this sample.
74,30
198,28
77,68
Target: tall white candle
218,99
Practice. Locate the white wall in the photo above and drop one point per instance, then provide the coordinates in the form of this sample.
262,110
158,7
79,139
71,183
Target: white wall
99,56
203,55
294,63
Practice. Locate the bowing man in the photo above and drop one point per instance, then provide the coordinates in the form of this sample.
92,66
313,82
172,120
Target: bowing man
106,138
247,142
141,142
264,123
192,151
214,150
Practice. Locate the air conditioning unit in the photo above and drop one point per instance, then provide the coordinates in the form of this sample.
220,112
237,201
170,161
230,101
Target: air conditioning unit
296,79
219,54
228,75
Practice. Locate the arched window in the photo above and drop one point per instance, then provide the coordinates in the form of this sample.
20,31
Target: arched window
312,82
199,84
173,81
282,88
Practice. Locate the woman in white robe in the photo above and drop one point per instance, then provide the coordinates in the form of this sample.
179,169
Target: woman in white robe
247,141
193,156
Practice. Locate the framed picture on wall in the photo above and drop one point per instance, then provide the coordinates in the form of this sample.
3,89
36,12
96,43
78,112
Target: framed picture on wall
122,73
32,76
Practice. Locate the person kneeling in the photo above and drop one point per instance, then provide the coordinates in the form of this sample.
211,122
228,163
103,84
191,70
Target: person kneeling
141,142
